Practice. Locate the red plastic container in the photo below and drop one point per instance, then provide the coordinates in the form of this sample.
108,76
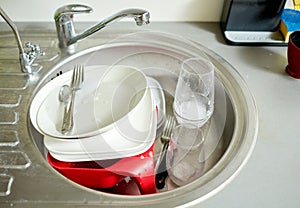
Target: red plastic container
108,173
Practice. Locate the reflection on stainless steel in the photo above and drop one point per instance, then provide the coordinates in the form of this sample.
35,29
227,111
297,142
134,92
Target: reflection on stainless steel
65,25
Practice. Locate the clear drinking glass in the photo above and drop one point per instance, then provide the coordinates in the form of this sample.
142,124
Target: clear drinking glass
185,156
194,95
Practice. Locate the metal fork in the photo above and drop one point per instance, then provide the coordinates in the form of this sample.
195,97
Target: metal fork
161,170
77,80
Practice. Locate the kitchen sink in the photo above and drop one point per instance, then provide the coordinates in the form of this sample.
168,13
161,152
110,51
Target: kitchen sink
27,179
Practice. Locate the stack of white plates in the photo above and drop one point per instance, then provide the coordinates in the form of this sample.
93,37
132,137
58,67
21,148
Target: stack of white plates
99,134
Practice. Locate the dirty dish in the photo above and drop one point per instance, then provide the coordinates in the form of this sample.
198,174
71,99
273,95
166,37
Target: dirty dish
159,101
108,173
101,147
116,99
185,154
194,94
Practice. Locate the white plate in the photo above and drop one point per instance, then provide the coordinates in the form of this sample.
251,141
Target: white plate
98,147
53,88
93,102
104,146
159,102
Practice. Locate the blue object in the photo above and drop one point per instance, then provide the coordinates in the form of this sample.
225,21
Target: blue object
291,18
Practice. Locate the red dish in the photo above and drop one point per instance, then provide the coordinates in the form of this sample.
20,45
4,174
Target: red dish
108,173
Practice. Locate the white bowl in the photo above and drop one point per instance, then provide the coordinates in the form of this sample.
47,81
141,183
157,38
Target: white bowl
101,148
112,98
108,145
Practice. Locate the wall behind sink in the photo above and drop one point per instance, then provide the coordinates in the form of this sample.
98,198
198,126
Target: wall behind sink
161,10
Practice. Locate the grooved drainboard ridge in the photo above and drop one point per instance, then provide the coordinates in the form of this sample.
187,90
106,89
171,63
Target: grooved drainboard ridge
13,81
14,159
5,184
8,114
10,100
9,138
9,117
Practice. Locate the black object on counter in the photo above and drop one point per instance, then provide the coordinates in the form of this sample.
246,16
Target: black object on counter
247,22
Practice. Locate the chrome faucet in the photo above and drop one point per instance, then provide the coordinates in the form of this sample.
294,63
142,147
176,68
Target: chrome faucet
26,57
67,36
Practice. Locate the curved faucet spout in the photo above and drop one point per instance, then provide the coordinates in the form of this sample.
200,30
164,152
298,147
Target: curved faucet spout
140,16
65,26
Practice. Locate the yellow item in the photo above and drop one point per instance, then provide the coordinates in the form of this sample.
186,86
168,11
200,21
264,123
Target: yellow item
296,4
284,30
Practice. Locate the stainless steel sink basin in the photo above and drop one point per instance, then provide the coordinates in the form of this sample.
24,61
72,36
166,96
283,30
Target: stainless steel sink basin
230,134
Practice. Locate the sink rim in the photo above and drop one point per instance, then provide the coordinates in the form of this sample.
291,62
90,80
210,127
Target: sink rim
234,158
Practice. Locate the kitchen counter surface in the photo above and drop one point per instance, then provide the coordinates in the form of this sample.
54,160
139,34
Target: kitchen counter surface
270,178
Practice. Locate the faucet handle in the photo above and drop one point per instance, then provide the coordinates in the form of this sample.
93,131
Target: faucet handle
69,10
33,51
63,17
28,56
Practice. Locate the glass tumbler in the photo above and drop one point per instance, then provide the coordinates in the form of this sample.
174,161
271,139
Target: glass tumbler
185,155
194,94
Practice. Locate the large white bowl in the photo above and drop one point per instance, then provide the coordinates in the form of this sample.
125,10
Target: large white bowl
112,98
101,147
108,145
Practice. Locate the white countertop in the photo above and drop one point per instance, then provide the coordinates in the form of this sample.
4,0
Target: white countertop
270,178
